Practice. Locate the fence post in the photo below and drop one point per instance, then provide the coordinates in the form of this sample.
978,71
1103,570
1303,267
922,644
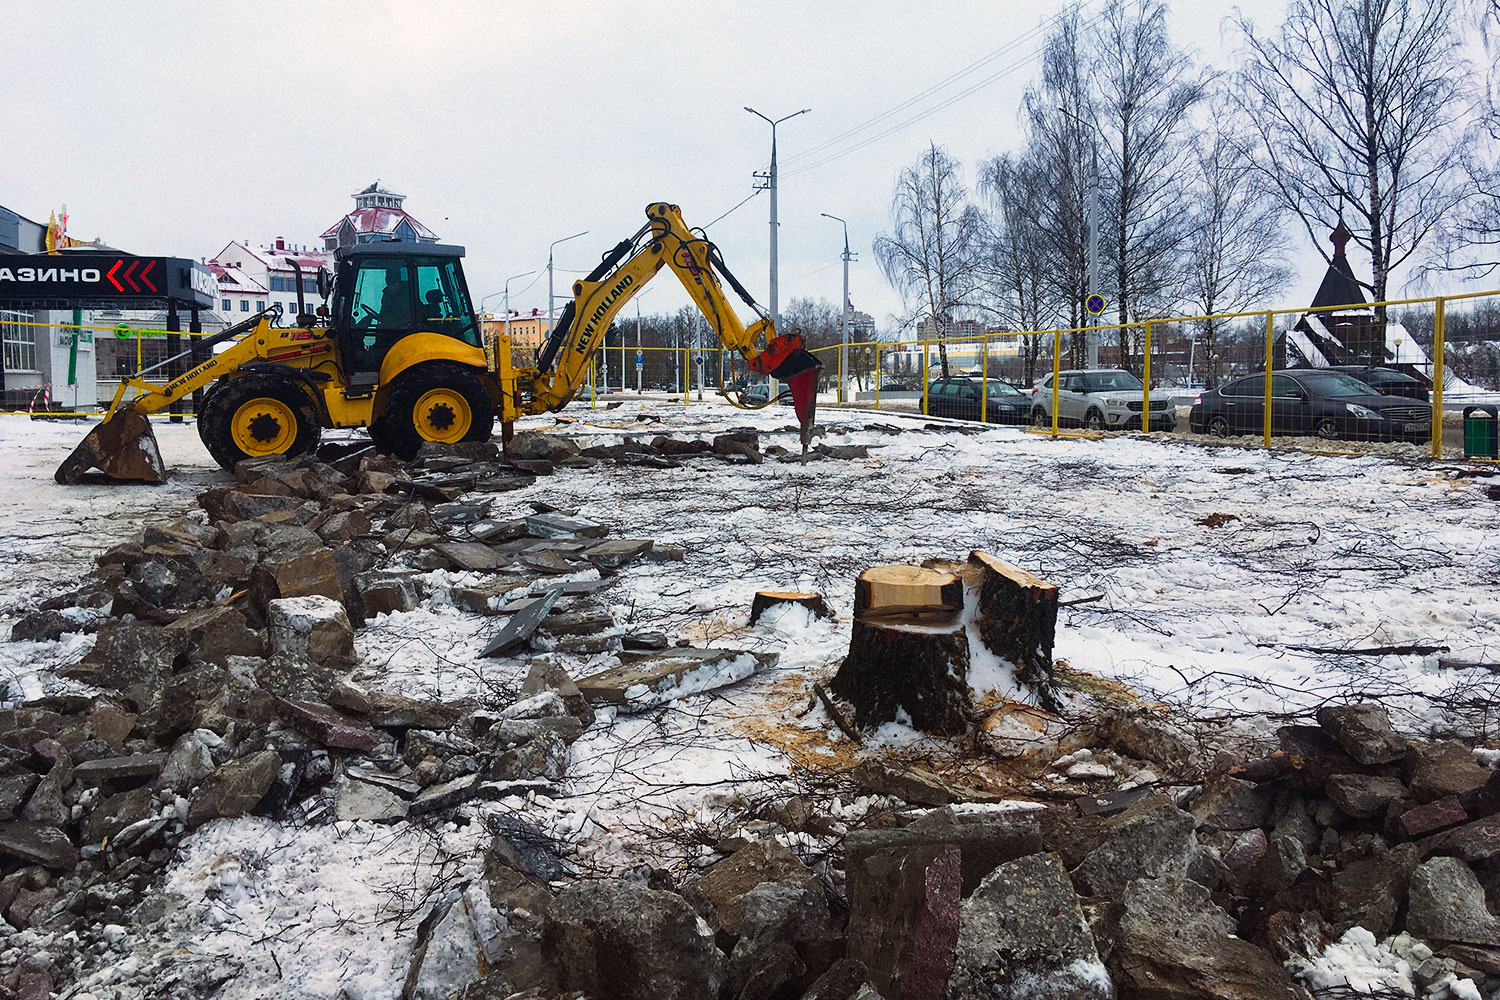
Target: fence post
1056,374
842,376
687,377
1146,392
984,379
879,363
1438,370
1265,420
593,380
925,366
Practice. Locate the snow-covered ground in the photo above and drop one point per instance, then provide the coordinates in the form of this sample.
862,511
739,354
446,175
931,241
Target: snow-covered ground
1211,566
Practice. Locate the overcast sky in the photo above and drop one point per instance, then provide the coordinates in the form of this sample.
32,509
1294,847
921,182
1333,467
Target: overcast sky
174,128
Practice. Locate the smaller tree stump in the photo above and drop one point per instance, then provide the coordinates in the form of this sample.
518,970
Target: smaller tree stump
908,650
767,599
1016,618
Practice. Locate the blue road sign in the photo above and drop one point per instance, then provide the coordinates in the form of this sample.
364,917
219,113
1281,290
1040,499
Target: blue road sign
1095,304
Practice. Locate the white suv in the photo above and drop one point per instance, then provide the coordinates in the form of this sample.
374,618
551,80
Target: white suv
1104,399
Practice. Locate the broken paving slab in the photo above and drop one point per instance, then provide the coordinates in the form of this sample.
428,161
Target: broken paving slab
136,767
551,562
521,624
616,552
472,556
489,597
559,525
652,679
328,726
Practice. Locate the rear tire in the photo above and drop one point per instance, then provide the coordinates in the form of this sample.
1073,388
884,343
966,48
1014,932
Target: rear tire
1218,426
1039,417
1328,429
436,401
258,415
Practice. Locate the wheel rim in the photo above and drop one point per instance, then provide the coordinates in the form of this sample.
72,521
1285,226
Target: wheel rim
1328,430
1218,427
263,426
442,415
1096,422
1038,418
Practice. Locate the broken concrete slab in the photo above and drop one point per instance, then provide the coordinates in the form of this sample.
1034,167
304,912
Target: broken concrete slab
328,726
234,789
658,678
558,525
474,556
358,800
616,552
310,629
35,844
135,767
522,624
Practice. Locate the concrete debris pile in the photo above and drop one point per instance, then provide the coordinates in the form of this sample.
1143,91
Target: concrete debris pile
218,683
1258,884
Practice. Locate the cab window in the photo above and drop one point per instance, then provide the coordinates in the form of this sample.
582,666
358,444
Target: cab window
382,297
442,306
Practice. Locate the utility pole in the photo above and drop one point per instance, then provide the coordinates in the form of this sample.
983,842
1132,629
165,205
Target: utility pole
770,184
554,243
844,310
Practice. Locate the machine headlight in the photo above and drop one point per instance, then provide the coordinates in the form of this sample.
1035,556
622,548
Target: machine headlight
1362,412
1113,401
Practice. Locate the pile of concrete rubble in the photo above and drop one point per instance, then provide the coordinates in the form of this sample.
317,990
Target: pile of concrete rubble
219,686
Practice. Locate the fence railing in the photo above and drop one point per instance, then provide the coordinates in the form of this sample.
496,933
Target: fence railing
885,359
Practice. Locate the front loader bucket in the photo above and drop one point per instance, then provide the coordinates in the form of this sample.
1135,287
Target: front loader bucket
122,447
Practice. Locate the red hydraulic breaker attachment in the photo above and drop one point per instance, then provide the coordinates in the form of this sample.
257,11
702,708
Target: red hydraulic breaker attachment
786,358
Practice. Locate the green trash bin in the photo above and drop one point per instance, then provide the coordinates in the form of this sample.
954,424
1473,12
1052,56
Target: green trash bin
1481,439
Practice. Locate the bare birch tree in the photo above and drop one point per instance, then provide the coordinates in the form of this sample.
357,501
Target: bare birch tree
1017,262
932,252
1236,253
1145,89
1356,106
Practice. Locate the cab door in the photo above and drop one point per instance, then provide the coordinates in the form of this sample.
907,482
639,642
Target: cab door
376,313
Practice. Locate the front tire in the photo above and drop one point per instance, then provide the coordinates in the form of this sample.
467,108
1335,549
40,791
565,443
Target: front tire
1094,420
258,415
437,401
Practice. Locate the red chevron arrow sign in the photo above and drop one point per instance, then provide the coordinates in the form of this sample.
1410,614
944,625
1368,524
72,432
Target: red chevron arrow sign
110,277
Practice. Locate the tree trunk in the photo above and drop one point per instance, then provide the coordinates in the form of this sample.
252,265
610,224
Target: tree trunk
1016,616
908,651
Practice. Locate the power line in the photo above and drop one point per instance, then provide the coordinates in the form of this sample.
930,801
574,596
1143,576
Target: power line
948,102
972,67
737,207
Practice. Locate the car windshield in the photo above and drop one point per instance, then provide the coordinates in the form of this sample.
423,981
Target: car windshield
1335,384
995,387
1105,381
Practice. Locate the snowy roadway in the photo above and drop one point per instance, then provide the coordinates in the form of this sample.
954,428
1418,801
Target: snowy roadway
1212,564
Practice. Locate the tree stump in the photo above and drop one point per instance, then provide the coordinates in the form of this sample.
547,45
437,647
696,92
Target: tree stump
908,650
1015,614
768,599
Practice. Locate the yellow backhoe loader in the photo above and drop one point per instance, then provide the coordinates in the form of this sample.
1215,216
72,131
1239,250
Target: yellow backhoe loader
398,349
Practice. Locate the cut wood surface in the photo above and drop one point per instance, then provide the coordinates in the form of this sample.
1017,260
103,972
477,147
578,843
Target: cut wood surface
767,599
883,591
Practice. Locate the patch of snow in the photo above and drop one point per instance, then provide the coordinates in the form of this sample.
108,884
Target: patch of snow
1356,963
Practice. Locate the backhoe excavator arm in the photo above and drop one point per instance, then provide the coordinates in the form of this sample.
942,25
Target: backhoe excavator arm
665,241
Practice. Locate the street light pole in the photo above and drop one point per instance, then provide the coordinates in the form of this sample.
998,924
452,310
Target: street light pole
771,186
513,277
843,310
549,276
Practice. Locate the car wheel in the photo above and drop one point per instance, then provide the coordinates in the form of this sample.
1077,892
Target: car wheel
436,401
258,415
1218,426
1039,417
1094,420
1328,429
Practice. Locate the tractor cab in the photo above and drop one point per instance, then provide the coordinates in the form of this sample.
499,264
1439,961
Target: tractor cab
385,292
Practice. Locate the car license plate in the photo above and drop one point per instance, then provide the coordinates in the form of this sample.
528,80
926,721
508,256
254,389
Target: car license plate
1421,427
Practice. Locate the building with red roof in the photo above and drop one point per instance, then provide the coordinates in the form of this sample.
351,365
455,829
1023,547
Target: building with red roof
377,217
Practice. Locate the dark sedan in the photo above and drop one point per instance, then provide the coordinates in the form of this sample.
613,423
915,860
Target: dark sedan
1328,404
958,396
1386,381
